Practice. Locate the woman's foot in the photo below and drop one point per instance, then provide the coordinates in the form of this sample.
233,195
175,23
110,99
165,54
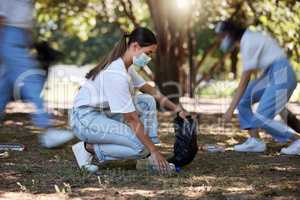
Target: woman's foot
84,158
293,149
251,145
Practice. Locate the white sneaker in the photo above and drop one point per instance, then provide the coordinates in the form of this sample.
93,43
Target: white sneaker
55,137
251,145
84,158
293,149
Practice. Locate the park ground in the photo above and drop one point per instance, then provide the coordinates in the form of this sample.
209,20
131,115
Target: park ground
39,173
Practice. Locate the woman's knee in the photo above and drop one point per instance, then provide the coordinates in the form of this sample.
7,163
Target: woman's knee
145,102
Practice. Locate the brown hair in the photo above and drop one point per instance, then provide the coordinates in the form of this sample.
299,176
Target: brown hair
143,36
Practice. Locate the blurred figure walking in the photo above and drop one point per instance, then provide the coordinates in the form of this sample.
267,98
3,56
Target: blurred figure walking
20,74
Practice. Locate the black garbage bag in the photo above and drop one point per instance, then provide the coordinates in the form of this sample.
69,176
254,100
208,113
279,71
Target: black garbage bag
185,146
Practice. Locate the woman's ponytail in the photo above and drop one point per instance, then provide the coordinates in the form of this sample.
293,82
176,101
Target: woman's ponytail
118,51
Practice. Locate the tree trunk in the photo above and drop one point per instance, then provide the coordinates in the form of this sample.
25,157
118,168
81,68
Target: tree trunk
171,32
192,68
234,61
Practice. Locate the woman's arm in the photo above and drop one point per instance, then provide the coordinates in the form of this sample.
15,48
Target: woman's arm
239,93
136,125
163,100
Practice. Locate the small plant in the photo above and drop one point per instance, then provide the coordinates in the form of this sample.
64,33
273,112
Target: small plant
22,187
65,189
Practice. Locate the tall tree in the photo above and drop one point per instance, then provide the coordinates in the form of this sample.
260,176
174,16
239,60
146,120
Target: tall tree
171,28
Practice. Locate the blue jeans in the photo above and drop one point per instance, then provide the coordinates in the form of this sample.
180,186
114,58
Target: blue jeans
112,138
20,76
272,90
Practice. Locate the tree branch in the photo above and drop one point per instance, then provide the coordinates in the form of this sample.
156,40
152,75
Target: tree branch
213,68
207,52
129,11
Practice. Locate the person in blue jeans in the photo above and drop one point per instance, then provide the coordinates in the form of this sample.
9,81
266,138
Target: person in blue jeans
271,90
110,120
20,75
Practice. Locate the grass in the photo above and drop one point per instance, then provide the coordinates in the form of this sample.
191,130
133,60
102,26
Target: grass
221,89
217,89
52,174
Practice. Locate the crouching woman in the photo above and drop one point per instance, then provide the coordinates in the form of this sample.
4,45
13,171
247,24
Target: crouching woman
110,121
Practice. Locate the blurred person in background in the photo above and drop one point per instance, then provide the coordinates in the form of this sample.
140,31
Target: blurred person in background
20,74
272,89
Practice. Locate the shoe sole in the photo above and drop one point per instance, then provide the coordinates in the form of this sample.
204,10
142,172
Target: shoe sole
290,154
251,151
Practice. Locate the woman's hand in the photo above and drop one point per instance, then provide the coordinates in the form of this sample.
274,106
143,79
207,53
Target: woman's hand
159,162
183,114
228,115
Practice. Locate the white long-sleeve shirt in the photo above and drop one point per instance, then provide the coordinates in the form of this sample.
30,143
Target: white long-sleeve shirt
17,13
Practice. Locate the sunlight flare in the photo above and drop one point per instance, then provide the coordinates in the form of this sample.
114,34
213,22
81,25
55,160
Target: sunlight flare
182,4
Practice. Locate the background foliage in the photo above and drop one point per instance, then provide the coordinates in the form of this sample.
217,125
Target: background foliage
85,30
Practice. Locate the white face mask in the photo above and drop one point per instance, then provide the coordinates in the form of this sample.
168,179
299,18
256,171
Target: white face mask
141,60
226,44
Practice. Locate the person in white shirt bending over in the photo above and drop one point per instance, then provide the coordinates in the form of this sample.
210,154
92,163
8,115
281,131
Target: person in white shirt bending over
111,123
272,90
